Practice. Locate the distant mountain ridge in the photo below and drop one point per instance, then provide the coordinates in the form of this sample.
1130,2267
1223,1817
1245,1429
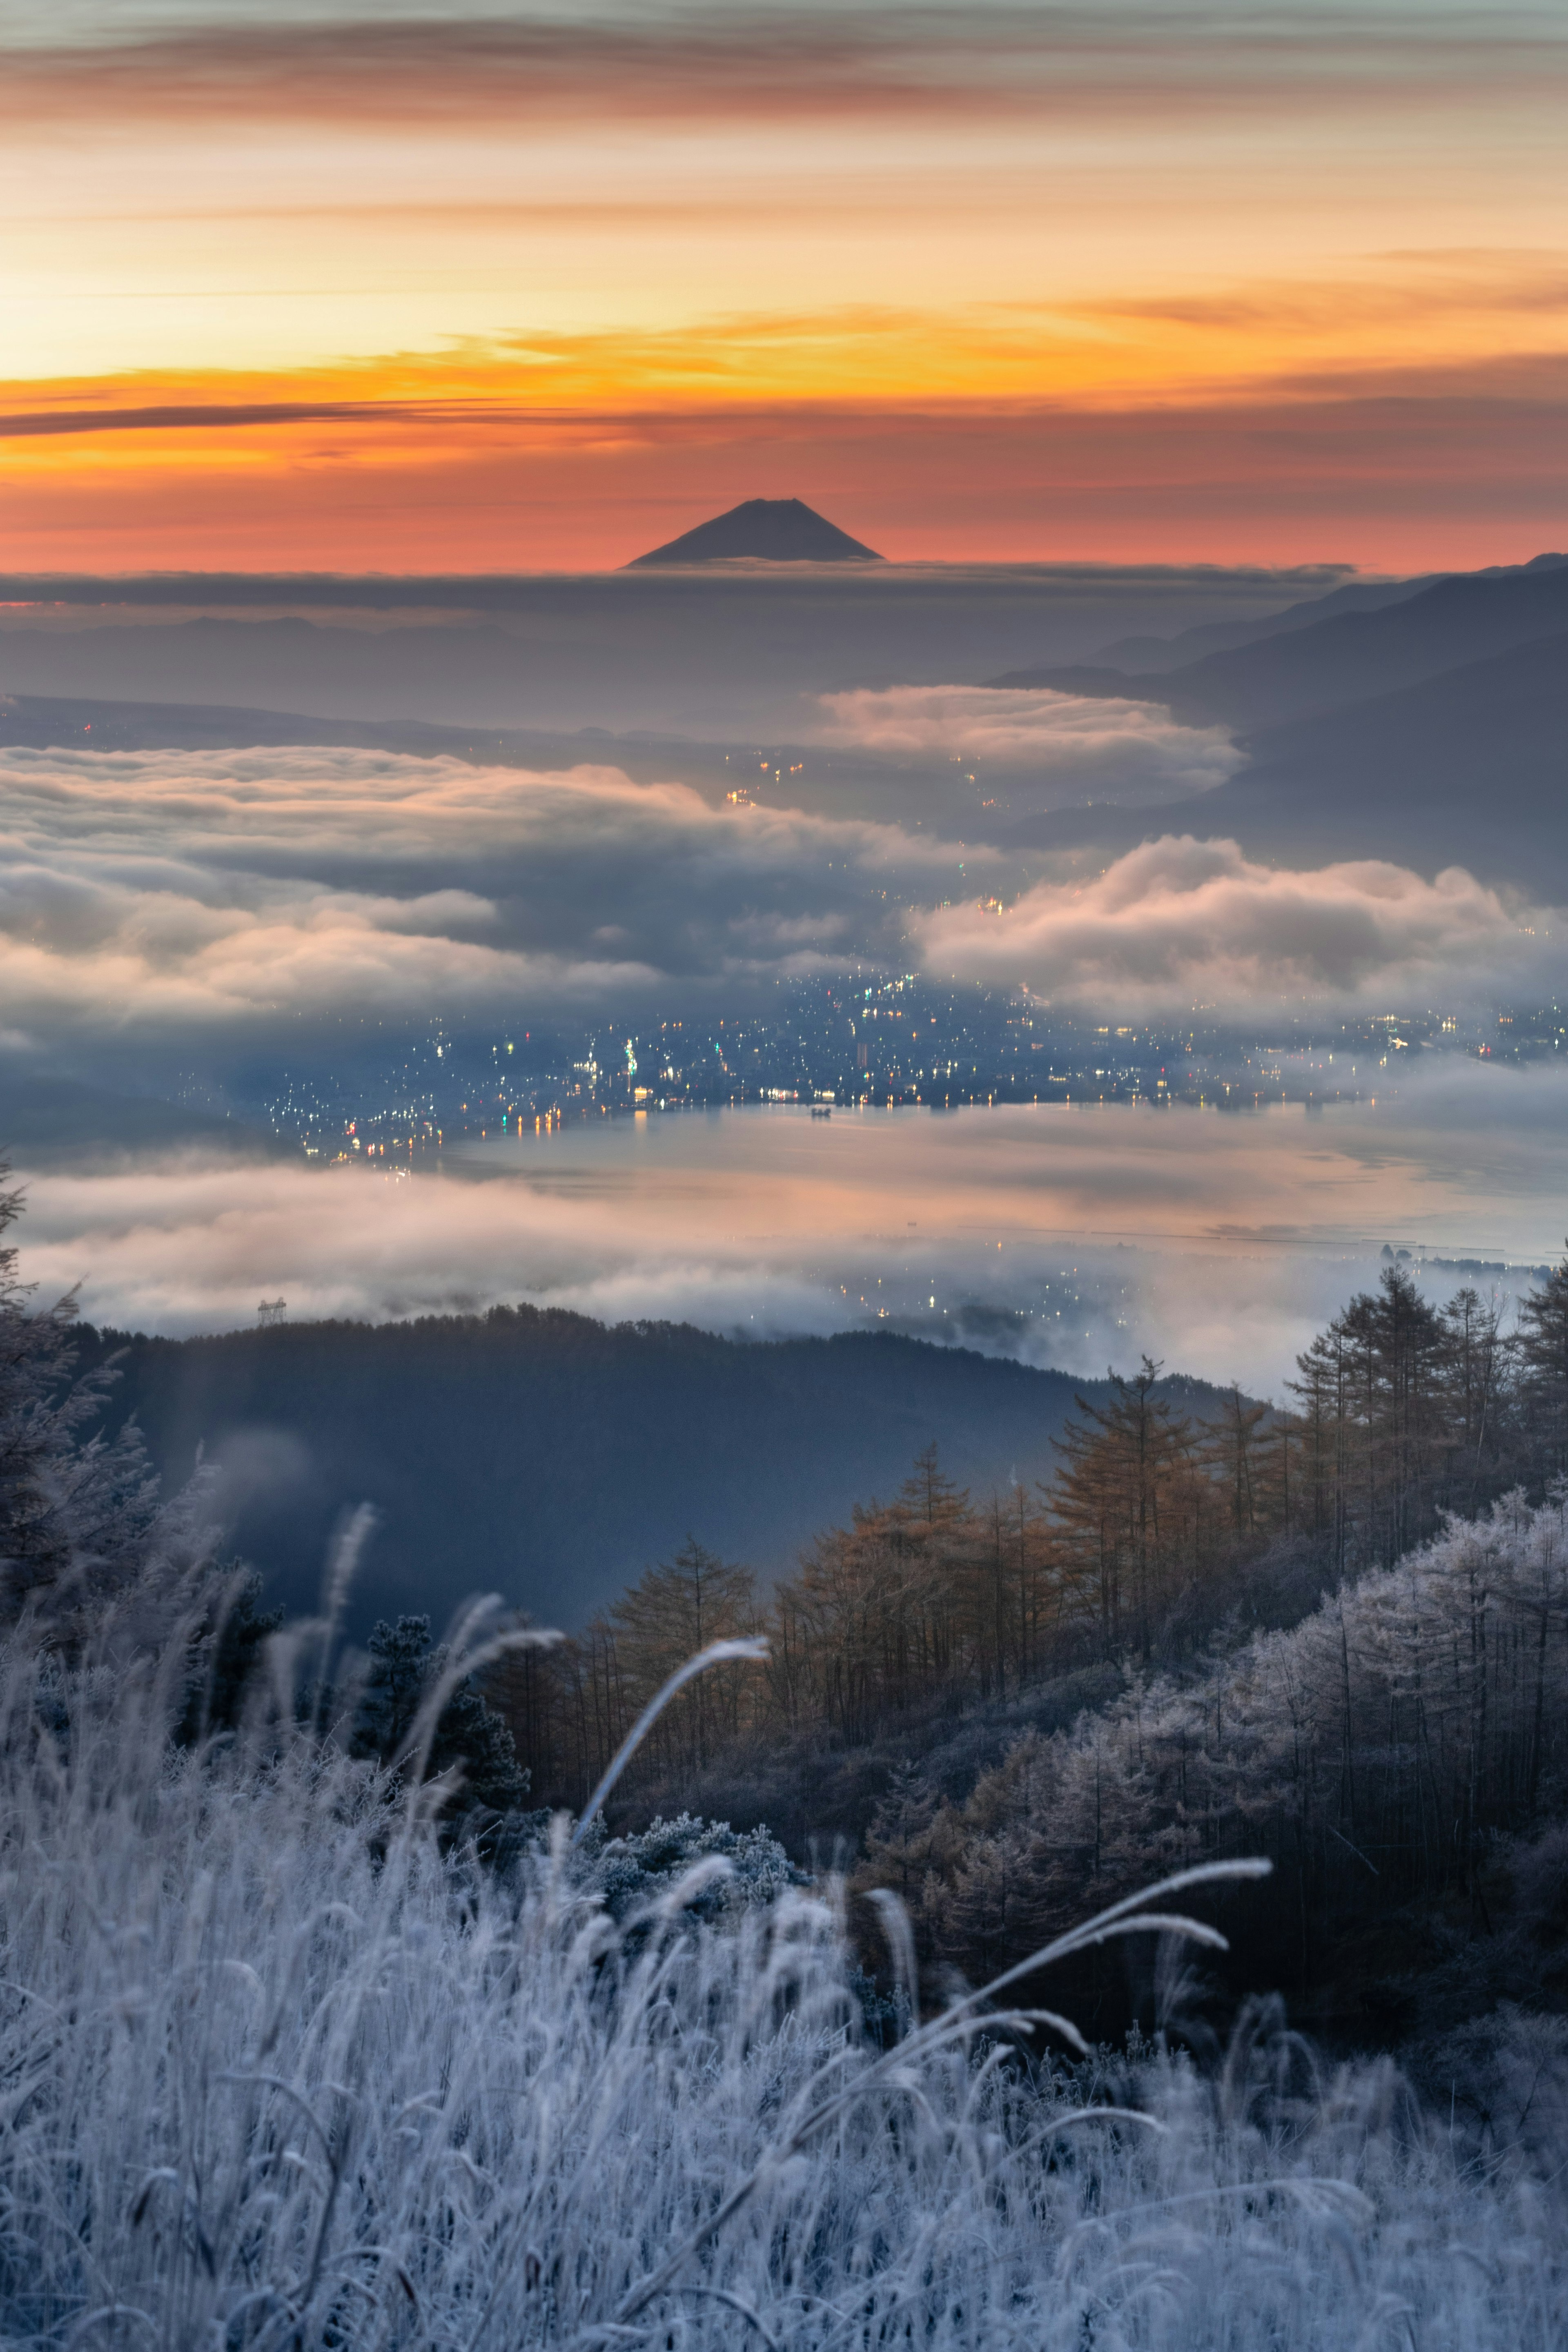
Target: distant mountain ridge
1424,721
1355,656
1297,671
1153,657
765,530
1146,656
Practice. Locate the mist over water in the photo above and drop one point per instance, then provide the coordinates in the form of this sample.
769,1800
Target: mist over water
1077,1235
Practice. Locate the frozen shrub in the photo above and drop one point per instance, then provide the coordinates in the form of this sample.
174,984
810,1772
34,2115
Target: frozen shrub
629,1872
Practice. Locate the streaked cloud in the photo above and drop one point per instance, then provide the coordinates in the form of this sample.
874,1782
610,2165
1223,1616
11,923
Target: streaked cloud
450,289
1182,923
773,61
186,417
1401,468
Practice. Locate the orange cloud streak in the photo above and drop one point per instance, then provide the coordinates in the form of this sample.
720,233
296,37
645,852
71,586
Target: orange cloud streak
1420,308
1403,469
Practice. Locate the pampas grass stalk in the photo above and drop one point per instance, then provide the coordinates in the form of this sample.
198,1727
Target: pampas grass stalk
282,2067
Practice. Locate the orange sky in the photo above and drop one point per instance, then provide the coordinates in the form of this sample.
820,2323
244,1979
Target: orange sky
329,289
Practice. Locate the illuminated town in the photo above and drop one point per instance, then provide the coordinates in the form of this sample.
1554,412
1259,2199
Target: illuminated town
870,1040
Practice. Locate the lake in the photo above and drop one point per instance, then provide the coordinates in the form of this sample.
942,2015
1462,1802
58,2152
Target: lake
1080,1235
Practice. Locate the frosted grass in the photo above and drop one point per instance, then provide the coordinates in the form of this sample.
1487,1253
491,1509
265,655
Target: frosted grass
277,2072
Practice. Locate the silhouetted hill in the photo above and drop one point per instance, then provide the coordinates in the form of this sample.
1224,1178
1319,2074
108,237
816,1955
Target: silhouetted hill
770,531
1146,656
548,1457
1349,658
1468,768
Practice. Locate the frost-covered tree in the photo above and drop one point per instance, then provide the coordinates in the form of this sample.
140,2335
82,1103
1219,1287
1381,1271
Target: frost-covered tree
1378,1751
629,1872
1544,1348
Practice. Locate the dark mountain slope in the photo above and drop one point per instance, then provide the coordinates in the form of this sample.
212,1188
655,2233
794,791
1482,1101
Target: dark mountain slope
1488,741
547,1457
1351,659
1144,656
1469,768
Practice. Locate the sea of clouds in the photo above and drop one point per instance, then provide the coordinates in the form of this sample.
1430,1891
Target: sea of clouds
144,891
204,905
246,893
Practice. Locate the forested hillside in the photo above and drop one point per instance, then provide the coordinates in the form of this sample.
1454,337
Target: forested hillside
1336,1631
549,1458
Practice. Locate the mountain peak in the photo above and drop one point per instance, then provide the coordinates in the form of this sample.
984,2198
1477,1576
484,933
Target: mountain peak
765,530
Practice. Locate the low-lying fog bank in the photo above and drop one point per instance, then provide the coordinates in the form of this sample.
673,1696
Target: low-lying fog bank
1067,1235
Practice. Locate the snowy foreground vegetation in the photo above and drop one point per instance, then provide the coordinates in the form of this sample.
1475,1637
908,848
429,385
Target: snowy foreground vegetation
284,2066
312,2036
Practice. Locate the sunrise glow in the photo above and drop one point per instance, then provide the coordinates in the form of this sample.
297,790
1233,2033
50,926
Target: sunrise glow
370,290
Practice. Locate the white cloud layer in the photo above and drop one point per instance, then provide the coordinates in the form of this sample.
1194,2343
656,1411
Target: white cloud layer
150,893
249,893
1181,923
1087,747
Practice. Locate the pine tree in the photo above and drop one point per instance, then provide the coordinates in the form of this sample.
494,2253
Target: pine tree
929,1498
901,1844
1408,1412
1477,1373
1377,1423
400,1662
1234,1448
468,1734
1321,1392
77,1510
226,1655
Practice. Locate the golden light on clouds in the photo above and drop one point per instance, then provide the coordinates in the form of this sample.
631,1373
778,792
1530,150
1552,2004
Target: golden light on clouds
343,287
